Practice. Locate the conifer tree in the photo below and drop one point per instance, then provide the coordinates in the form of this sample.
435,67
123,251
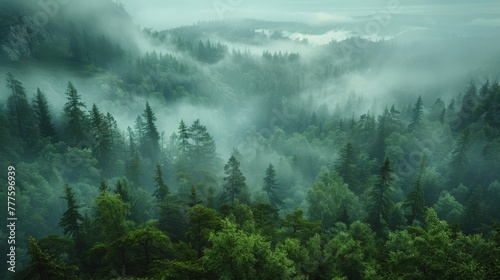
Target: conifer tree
380,198
234,182
20,113
151,144
183,139
202,149
102,136
44,266
459,159
76,119
161,188
415,199
346,166
417,114
271,187
43,115
71,220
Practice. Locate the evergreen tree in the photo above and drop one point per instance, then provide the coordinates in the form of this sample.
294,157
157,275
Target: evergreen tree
380,198
271,187
102,186
43,116
183,139
234,182
474,213
346,167
20,113
151,145
417,114
415,199
76,119
71,220
202,150
161,189
378,150
458,163
193,197
172,218
102,136
44,266
469,104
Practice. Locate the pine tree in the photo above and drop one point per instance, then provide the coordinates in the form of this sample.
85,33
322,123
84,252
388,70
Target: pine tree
43,116
161,189
474,213
346,166
76,119
234,182
193,197
417,114
123,190
102,186
271,187
415,199
380,198
20,113
71,220
183,139
44,266
102,136
459,160
151,145
378,150
202,150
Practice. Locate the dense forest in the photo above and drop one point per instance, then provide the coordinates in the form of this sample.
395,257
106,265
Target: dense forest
179,154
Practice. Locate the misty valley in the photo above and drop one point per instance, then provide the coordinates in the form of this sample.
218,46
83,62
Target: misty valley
160,140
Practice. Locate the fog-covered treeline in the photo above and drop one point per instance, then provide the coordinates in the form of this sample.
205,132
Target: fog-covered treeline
222,151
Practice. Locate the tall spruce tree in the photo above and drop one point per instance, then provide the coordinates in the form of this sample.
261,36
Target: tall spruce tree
71,220
379,195
202,149
20,113
346,167
415,199
417,114
102,135
234,182
161,188
151,144
43,115
76,119
271,187
183,140
459,161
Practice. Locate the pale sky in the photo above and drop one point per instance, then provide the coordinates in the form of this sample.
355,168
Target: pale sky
162,14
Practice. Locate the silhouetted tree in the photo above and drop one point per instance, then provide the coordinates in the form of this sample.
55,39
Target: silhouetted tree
379,195
271,187
76,119
43,115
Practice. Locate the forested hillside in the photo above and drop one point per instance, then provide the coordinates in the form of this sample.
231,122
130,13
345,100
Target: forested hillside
218,151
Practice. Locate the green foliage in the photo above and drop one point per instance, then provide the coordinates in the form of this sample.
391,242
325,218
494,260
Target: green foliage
75,117
415,199
236,254
43,265
271,187
381,198
346,167
234,183
71,219
161,189
43,116
330,198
